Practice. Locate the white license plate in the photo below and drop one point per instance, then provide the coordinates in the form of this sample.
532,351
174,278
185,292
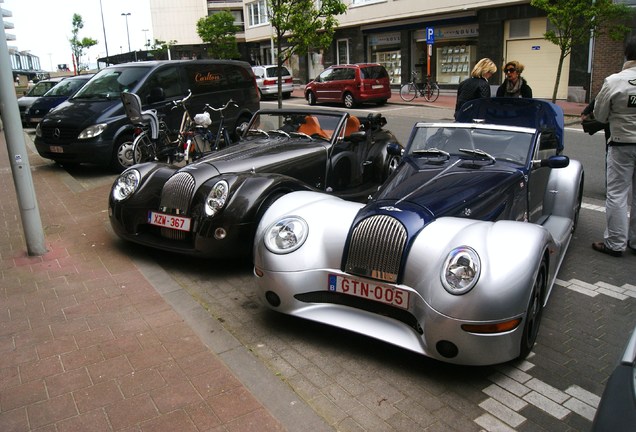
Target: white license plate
169,221
56,149
377,86
369,290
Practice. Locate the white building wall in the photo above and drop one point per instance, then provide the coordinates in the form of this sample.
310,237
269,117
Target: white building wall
176,20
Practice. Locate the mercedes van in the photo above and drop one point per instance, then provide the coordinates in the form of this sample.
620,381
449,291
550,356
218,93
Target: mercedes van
92,127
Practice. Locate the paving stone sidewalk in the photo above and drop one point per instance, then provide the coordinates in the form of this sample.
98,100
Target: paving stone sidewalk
87,343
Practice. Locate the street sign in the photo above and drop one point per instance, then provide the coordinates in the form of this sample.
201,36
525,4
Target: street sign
430,35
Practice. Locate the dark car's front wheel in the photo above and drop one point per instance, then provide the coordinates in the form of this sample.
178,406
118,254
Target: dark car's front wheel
123,153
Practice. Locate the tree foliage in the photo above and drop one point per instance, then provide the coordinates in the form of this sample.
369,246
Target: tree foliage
573,21
219,31
306,24
160,48
79,45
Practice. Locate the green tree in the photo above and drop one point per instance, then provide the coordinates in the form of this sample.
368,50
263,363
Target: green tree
573,21
79,45
160,48
306,24
219,31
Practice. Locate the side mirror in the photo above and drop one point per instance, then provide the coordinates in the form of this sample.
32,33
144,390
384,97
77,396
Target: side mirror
394,149
558,161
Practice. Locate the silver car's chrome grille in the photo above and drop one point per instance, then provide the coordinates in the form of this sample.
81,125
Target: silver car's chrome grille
376,248
175,199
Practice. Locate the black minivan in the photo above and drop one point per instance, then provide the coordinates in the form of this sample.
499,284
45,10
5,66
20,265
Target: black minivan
92,127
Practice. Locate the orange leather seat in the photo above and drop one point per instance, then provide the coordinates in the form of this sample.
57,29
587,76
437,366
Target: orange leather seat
353,125
311,127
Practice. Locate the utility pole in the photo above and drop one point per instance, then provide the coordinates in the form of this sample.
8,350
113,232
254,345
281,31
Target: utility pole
20,167
126,15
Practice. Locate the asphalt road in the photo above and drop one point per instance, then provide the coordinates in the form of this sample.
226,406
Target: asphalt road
359,384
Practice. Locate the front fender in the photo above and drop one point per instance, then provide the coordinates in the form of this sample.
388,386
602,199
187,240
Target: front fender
328,218
510,253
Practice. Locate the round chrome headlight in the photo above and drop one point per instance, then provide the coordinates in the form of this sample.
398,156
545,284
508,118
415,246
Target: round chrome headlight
217,197
126,184
461,270
286,235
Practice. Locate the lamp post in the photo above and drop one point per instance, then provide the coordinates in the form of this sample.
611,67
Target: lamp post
126,15
147,44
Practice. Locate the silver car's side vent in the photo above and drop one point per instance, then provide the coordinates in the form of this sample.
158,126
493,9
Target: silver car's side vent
175,199
376,248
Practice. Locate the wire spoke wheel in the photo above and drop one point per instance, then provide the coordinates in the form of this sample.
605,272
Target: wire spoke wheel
431,92
408,92
143,149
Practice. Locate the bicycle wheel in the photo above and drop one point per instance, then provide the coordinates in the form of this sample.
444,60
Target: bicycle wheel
408,92
143,149
431,92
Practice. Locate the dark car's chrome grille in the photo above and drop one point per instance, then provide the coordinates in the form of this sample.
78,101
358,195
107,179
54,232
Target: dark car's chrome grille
175,199
59,134
376,248
360,303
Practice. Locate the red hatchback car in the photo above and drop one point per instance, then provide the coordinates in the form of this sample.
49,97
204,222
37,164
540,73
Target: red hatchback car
351,84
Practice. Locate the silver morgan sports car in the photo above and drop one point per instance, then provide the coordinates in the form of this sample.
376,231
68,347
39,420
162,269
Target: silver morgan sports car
211,208
454,257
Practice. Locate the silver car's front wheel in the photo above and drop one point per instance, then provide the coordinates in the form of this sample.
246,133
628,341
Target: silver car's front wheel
534,312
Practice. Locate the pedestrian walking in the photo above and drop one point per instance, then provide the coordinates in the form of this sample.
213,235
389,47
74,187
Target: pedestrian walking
616,104
477,85
514,84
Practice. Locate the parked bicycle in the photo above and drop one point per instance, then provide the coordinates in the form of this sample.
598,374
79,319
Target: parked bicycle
429,89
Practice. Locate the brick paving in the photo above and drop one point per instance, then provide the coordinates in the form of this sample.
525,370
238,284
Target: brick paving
86,341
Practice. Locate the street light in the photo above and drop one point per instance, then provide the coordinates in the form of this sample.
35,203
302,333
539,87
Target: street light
147,44
126,15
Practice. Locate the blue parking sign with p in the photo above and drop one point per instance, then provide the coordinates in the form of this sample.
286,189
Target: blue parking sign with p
430,35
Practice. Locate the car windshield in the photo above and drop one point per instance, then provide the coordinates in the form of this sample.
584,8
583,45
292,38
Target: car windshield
66,87
501,144
285,124
40,89
110,82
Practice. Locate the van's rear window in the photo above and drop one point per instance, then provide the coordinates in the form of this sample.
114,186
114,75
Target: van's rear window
374,72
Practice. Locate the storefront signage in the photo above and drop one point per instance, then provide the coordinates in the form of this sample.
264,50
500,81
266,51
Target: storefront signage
385,38
450,32
430,35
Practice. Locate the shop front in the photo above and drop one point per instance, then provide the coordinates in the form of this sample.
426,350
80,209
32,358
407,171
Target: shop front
454,52
384,48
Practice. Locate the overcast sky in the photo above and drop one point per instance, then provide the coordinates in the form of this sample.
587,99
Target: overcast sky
43,27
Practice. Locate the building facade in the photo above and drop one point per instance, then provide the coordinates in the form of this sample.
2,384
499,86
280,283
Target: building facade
445,38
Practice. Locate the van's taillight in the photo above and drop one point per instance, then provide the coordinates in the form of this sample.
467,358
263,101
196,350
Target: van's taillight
269,82
288,80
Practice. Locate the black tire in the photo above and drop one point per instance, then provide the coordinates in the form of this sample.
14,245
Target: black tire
382,102
122,153
408,92
311,98
534,311
431,93
286,95
348,100
143,149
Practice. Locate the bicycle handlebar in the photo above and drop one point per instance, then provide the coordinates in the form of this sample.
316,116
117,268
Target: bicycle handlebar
178,103
230,102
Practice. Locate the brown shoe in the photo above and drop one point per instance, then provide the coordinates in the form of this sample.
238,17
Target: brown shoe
600,247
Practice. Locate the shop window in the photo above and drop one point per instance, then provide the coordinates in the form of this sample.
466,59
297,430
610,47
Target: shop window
454,63
343,51
391,60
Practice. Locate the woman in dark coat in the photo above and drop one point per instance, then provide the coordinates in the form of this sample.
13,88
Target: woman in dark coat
514,85
477,85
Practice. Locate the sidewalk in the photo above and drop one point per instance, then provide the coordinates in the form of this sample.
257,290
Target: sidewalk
92,341
447,99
